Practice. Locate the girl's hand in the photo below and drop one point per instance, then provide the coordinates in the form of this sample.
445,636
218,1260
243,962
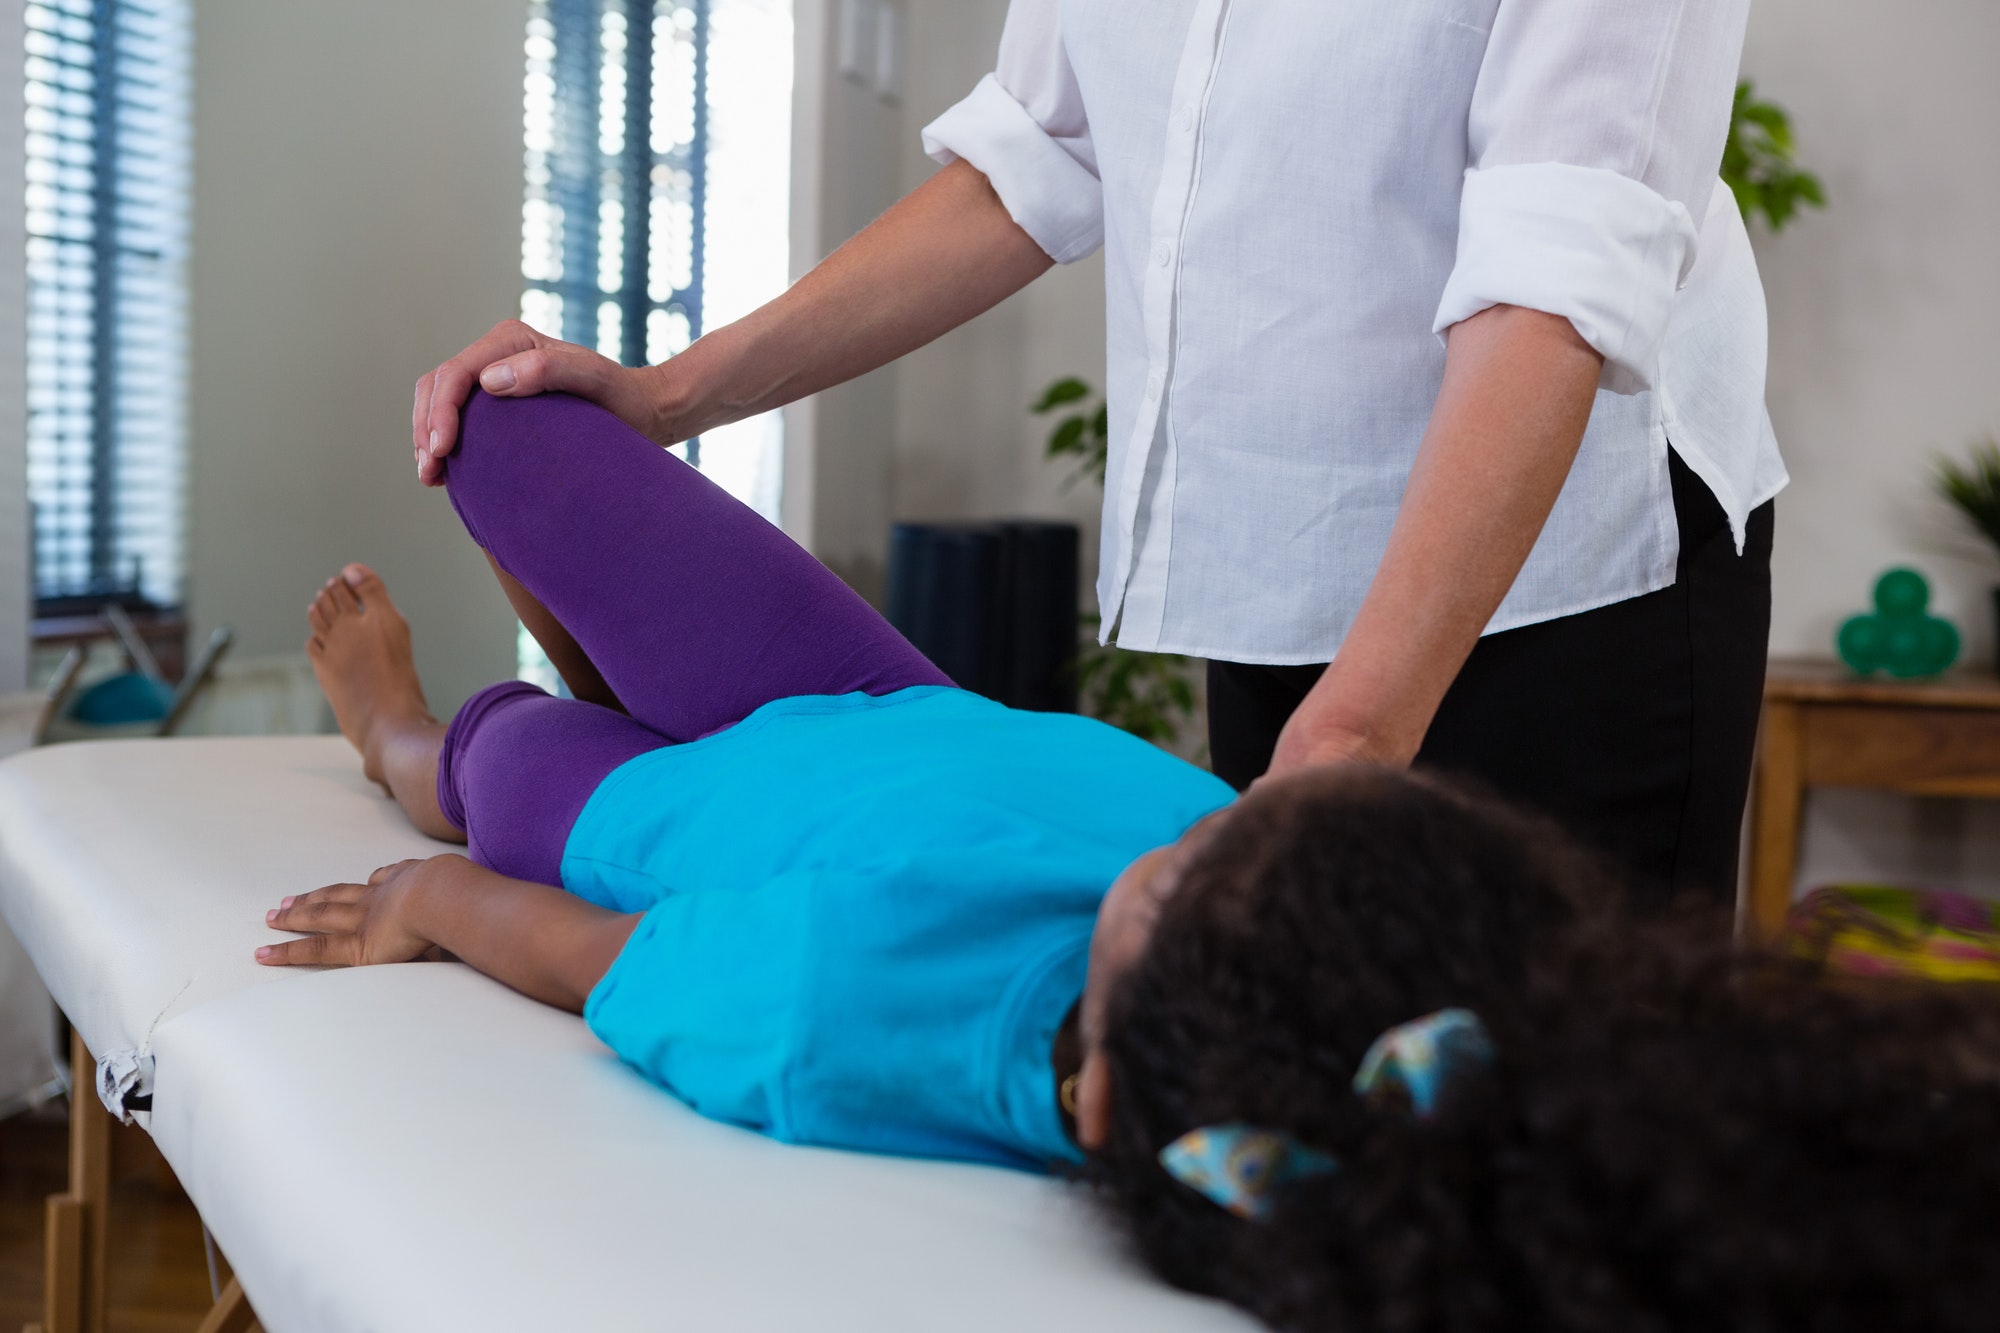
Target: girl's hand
353,925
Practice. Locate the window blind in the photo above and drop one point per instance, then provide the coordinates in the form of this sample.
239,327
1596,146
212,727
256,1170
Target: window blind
616,131
657,138
107,186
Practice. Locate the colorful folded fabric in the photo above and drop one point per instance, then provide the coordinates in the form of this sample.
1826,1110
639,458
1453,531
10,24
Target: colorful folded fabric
1878,930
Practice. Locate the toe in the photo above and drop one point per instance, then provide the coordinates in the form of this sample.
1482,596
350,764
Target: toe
363,580
342,597
317,617
315,646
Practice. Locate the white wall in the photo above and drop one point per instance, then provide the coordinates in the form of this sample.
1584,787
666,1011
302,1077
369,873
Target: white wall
966,446
839,445
1885,350
1885,343
15,594
356,219
944,434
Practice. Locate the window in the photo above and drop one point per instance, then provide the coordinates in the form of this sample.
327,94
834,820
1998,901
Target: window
616,128
107,160
657,137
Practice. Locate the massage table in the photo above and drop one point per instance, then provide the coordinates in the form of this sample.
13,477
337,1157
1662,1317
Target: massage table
419,1148
28,1073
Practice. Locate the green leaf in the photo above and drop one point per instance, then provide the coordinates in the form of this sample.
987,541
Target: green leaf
1062,393
1759,163
1150,695
1772,119
1068,438
1974,488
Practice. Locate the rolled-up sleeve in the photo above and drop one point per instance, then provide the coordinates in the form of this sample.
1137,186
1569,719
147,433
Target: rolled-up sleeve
1596,132
1024,127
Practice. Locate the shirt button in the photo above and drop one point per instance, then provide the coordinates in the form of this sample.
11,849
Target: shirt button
1163,254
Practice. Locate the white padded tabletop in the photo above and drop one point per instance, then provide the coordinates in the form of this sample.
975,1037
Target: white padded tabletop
418,1148
137,873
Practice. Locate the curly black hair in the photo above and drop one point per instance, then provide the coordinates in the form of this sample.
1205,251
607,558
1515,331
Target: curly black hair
1677,1134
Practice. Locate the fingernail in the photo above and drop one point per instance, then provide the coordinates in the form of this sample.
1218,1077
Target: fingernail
496,378
434,442
271,915
264,952
283,903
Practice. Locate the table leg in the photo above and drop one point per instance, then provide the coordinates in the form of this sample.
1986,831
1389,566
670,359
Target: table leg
1776,807
79,1221
232,1314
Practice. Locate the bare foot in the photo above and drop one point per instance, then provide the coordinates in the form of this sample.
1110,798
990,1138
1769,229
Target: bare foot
360,650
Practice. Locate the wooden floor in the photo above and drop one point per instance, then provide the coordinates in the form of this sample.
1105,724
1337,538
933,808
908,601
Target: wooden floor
159,1275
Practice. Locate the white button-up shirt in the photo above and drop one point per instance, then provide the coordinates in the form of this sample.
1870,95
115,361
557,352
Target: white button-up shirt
1296,197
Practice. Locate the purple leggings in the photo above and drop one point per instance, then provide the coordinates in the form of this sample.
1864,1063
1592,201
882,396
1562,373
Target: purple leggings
695,611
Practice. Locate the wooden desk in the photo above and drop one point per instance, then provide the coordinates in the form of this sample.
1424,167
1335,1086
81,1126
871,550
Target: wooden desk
1826,727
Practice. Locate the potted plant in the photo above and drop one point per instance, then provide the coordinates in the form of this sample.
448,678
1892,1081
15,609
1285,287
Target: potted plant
1973,487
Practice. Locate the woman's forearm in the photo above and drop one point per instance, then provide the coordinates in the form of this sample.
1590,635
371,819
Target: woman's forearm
549,945
1518,390
947,252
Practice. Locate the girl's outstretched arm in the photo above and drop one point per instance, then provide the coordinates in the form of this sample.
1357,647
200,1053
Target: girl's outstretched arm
550,945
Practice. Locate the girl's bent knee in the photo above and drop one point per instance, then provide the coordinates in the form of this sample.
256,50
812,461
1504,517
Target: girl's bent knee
516,446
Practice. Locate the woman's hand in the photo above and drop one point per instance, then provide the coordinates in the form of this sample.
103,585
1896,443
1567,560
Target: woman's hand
1314,737
354,925
514,361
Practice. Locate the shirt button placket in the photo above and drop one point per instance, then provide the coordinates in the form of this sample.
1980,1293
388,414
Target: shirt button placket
1170,207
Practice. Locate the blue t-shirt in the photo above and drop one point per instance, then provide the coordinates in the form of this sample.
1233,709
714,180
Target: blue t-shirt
866,918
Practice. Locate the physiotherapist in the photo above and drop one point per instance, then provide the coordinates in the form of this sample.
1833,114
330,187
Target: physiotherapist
1436,375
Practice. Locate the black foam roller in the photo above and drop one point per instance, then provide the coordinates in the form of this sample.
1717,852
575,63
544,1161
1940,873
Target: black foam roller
994,605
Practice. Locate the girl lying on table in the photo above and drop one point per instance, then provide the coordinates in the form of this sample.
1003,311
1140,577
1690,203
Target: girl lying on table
1356,1051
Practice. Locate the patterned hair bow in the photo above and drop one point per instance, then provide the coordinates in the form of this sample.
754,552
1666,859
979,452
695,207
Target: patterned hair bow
1242,1167
1413,1063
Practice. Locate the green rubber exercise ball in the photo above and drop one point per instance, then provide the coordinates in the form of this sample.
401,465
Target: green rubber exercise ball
1903,647
1902,592
1860,643
1900,637
1941,644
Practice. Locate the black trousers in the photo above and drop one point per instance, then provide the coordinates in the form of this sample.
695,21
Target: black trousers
1632,725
